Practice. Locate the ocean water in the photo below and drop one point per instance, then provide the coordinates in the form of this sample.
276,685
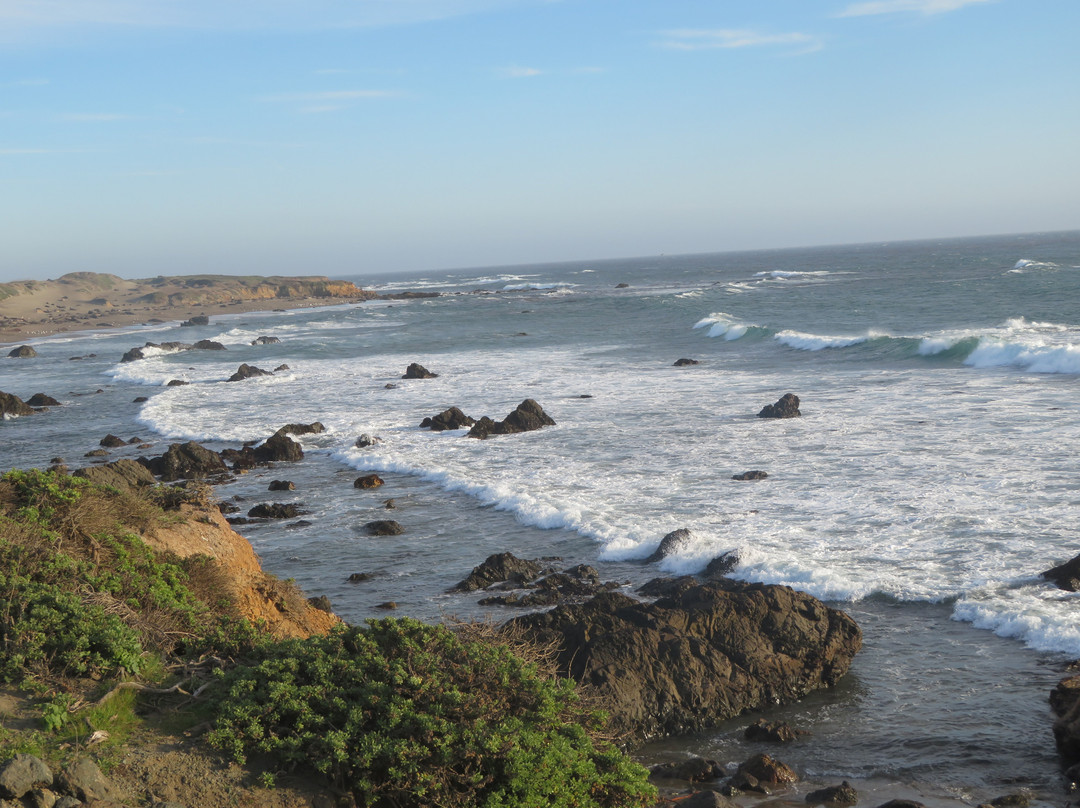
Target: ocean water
932,476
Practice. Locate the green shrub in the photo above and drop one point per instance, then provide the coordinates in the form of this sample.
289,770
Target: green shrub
406,714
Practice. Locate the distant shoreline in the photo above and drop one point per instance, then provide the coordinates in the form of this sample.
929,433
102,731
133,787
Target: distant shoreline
86,301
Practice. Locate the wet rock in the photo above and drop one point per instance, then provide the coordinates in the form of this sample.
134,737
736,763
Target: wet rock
97,453
1065,704
314,428
667,587
706,799
281,485
750,475
42,400
322,603
125,475
452,418
672,543
21,774
246,371
1066,576
111,441
390,504
1018,799
694,770
841,796
198,319
227,508
681,363
365,440
208,345
13,405
275,510
265,341
622,286
281,367
721,565
279,447
387,605
139,399
527,417
710,652
786,407
771,732
763,770
299,524
177,383
133,355
368,481
384,527
417,371
22,352
186,461
360,577
901,804
498,568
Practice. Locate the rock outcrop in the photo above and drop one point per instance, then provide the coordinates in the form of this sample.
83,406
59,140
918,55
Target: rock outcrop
185,461
498,568
22,352
1066,576
452,418
42,400
528,416
1065,702
122,474
704,654
786,407
671,544
246,371
418,371
13,405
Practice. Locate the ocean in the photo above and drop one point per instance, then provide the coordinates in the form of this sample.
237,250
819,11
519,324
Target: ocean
932,476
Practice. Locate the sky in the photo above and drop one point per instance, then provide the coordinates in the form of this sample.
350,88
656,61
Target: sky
343,137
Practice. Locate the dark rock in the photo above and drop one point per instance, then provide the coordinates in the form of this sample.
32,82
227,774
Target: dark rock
297,525
208,345
498,568
198,319
134,441
389,386
186,461
279,447
1065,704
360,577
97,453
622,286
177,383
139,399
750,475
452,418
282,485
111,441
384,527
415,371
246,371
322,603
274,510
527,417
706,799
368,481
13,405
763,769
901,804
721,565
124,474
694,770
314,428
667,587
771,732
42,400
22,352
1066,576
21,774
687,662
84,780
841,796
388,605
786,407
671,544
390,504
1016,800
227,507
265,341
280,368
680,363
365,441
133,355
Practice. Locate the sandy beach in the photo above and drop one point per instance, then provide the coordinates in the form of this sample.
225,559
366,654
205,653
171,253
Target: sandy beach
82,301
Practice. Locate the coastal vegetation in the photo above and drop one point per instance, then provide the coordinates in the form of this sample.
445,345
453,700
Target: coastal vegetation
103,629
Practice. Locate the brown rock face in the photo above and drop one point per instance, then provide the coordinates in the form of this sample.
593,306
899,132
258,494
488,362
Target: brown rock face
701,655
527,417
186,461
786,407
1065,702
13,405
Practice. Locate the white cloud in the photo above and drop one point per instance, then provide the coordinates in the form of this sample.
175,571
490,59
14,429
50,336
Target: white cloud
713,38
873,7
517,72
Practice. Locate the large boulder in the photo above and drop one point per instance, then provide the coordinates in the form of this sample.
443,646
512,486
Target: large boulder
122,474
417,371
279,446
208,345
246,371
42,400
314,428
702,655
528,416
452,418
185,461
1065,702
21,774
13,405
1066,576
786,407
22,352
498,568
671,544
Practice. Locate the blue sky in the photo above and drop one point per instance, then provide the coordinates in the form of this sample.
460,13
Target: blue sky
147,137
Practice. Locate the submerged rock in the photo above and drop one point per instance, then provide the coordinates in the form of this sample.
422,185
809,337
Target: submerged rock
772,732
384,527
708,653
786,407
750,475
684,362
265,341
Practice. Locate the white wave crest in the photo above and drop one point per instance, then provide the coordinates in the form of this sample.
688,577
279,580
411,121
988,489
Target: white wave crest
783,274
536,287
1039,615
816,342
722,325
1034,356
